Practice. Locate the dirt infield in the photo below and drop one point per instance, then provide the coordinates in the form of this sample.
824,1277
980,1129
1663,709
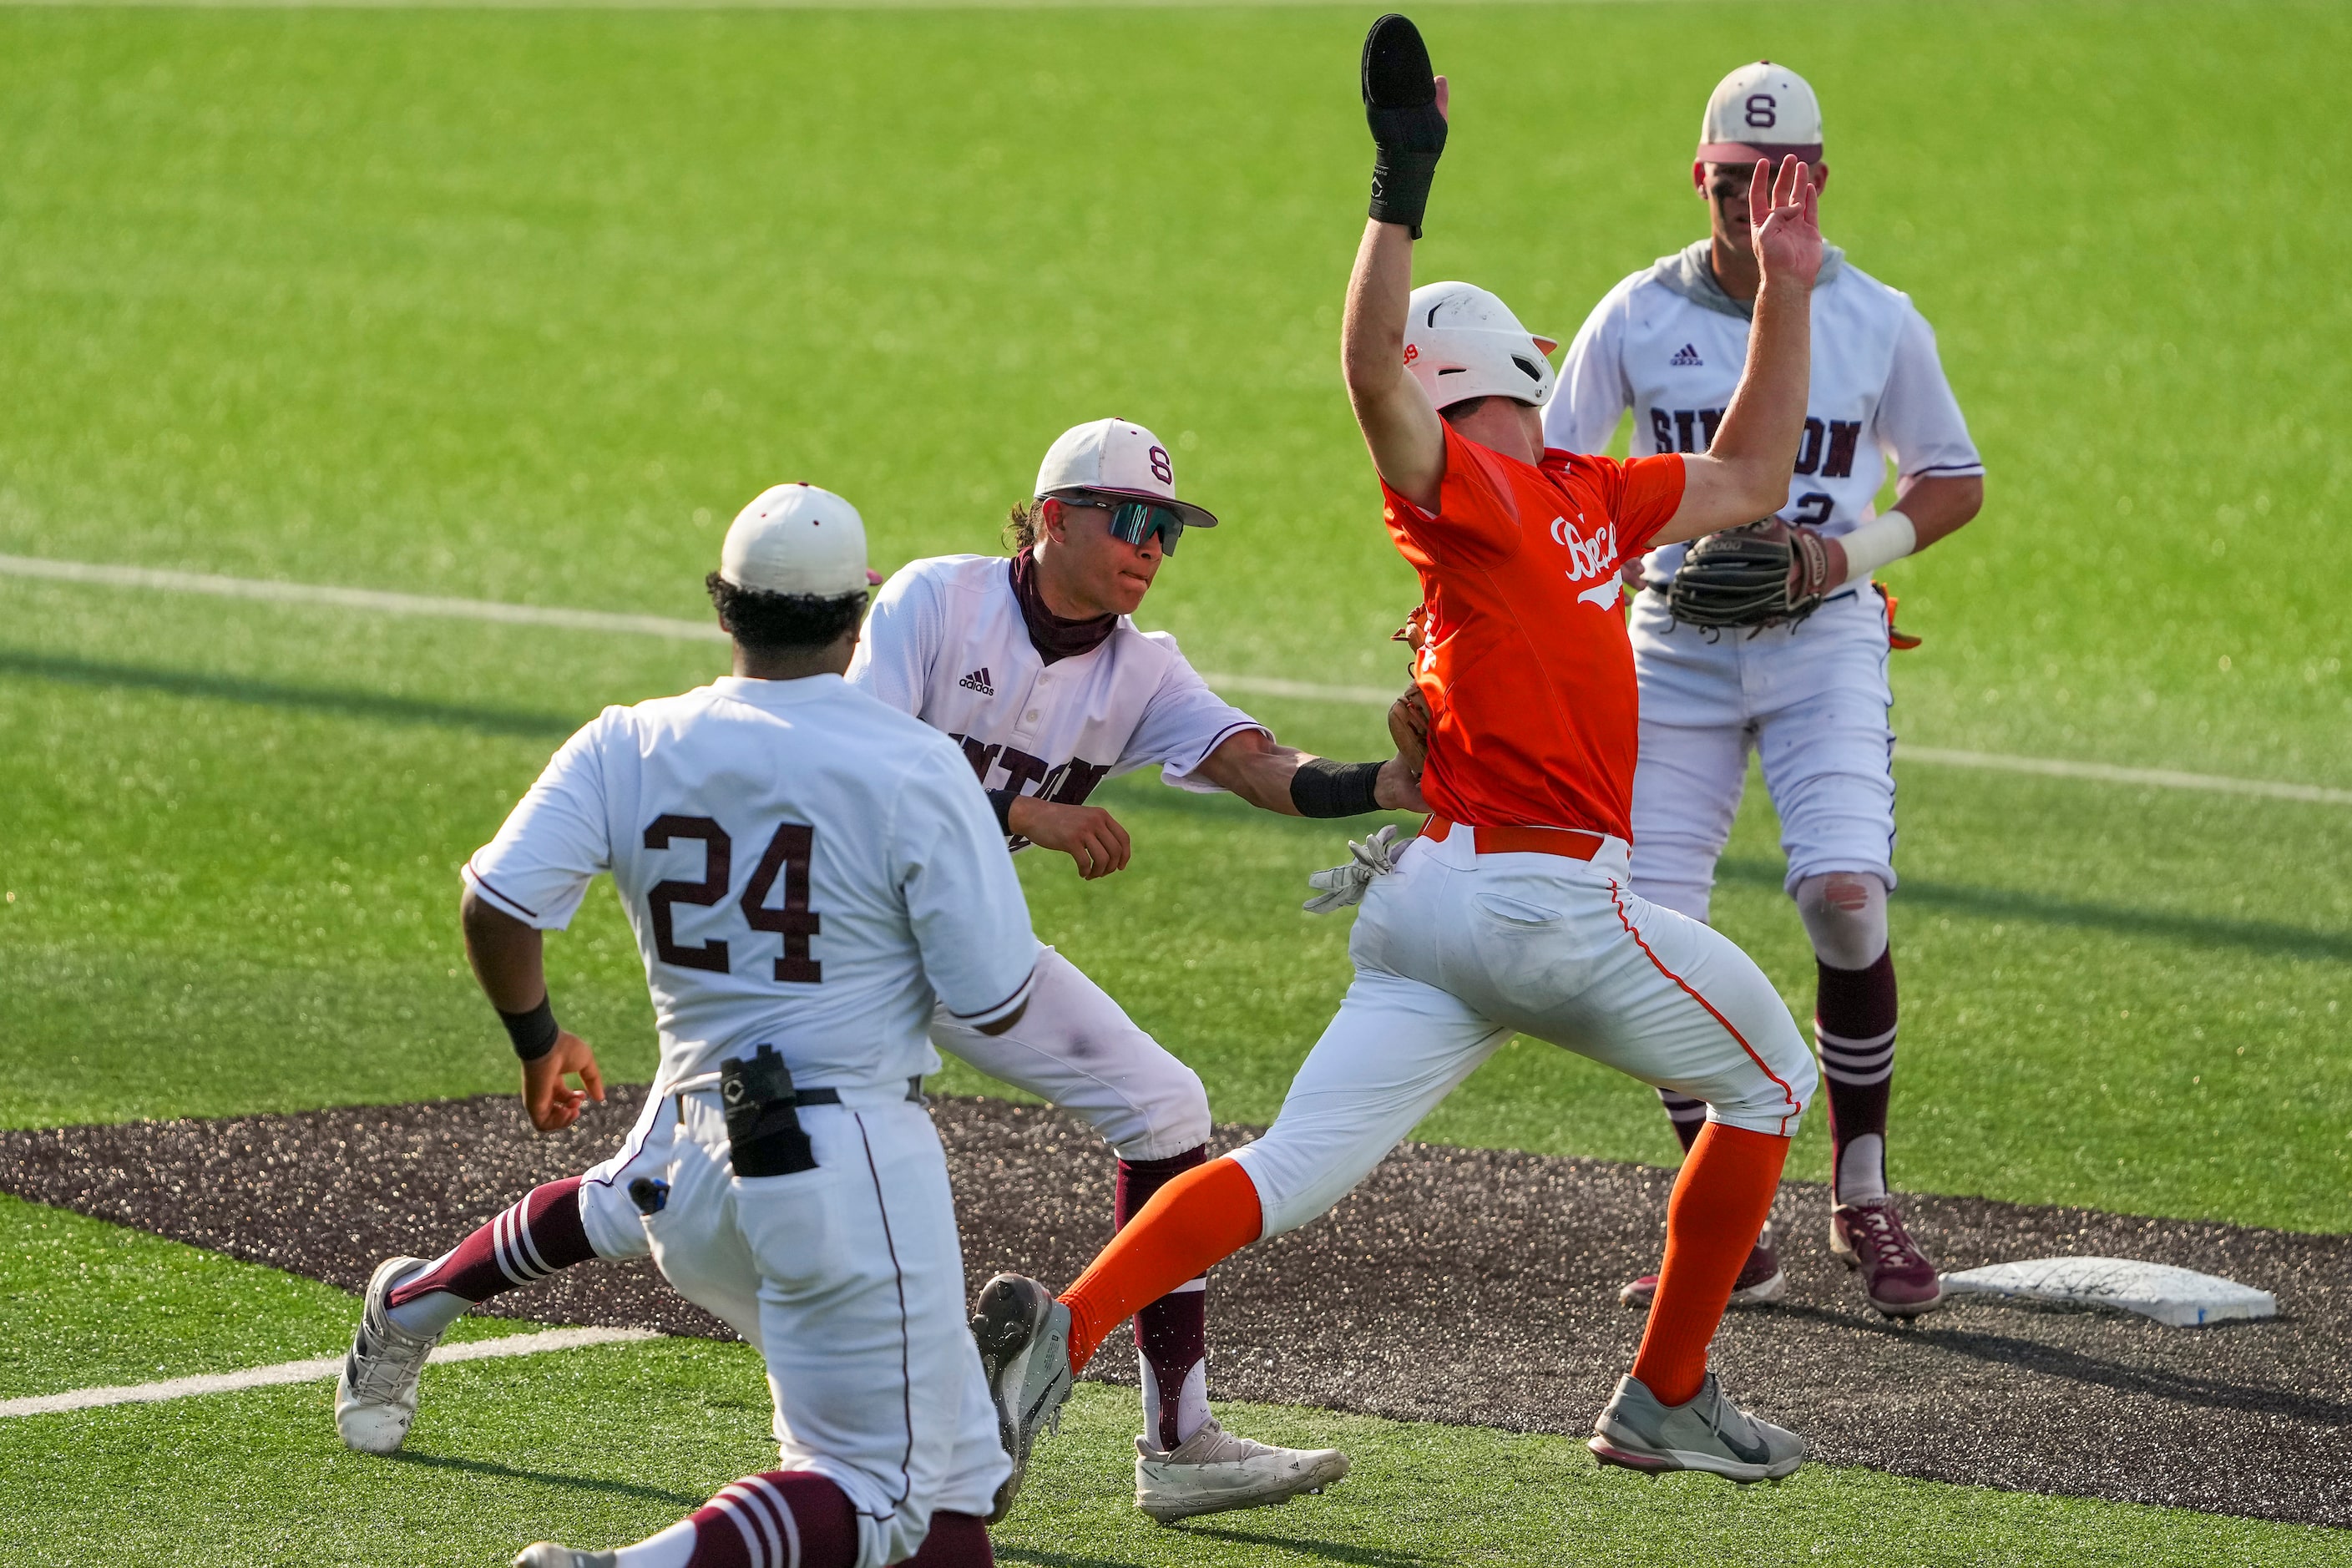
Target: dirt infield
1455,1285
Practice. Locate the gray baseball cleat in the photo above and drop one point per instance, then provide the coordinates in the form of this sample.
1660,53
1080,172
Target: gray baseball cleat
376,1397
547,1555
1023,1336
1213,1472
1709,1433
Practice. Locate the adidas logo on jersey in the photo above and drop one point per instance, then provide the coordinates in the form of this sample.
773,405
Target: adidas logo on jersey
978,681
1689,356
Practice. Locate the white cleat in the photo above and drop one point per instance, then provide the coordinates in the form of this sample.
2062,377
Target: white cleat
547,1555
376,1397
1213,1471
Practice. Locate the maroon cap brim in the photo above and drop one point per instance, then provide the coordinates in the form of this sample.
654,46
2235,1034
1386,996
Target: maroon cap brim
1749,152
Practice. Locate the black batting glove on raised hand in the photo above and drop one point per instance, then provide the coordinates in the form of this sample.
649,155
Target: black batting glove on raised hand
1408,131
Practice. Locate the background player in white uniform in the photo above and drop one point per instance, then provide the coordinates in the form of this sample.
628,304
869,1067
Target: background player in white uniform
808,874
1810,697
1033,667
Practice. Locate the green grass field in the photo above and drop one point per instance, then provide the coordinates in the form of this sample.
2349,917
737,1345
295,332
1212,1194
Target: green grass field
523,305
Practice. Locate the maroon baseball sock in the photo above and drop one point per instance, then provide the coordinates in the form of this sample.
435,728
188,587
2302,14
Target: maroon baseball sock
956,1540
1172,1333
778,1518
1854,1024
531,1238
1687,1115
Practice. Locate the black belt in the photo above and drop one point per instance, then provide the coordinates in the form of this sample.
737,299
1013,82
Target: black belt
833,1096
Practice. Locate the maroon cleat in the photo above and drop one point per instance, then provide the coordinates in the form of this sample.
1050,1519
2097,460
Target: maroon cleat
1759,1281
1895,1274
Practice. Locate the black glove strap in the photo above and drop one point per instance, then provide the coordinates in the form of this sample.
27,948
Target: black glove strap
1400,184
533,1033
1322,787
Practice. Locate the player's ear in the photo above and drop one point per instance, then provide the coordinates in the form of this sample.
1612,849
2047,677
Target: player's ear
1821,178
1698,178
1052,518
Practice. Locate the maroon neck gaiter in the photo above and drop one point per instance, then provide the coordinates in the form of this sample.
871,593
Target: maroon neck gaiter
1054,638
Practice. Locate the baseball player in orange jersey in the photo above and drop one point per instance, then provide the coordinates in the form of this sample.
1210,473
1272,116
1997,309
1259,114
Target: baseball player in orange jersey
1512,912
1806,691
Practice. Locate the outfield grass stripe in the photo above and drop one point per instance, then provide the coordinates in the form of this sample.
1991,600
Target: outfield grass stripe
269,590
2103,773
111,576
307,1371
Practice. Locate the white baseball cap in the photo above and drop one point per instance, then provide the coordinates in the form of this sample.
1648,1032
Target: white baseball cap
1761,110
1116,458
797,538
1461,342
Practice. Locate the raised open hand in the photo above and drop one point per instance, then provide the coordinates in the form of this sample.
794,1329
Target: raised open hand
1787,224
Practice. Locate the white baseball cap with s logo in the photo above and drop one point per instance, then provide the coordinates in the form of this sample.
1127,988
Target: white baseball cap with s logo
1116,458
1761,110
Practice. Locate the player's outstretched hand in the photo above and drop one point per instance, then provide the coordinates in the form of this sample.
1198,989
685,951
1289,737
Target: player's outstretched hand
1088,834
552,1104
1787,224
1405,104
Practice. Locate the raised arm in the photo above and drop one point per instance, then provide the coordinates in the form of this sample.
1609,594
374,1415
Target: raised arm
1744,475
1405,103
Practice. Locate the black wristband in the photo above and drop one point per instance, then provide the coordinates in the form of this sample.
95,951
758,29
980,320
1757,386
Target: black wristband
533,1033
1322,787
1000,802
1408,131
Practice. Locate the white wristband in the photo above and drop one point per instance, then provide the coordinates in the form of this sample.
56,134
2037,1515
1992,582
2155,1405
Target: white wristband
1887,537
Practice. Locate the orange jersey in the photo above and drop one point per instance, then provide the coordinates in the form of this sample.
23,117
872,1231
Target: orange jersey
1527,666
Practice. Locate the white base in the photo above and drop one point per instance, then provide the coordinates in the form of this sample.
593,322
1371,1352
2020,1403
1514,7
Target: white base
2181,1298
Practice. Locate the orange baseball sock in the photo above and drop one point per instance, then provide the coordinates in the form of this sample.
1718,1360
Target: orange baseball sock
1721,1201
1208,1213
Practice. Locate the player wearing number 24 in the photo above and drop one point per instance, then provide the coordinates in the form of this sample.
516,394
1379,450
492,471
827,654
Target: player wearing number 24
785,1175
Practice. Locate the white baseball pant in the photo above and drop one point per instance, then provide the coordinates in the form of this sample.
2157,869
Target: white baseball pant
1074,1048
1810,699
849,1282
1456,951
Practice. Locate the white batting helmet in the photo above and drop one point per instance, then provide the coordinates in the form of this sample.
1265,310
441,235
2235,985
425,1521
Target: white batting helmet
1460,342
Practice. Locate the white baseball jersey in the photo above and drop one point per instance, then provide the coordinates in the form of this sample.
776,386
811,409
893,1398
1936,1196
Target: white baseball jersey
1669,344
801,865
946,643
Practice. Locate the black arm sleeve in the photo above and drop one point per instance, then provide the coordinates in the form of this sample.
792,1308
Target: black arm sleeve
1322,787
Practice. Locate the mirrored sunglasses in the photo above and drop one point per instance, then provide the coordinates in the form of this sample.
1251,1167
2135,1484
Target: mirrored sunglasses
1136,520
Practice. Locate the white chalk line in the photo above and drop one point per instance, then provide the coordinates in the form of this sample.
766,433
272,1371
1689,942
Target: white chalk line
565,619
309,1371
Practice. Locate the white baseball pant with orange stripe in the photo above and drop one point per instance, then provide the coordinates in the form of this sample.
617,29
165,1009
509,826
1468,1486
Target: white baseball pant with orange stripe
1456,951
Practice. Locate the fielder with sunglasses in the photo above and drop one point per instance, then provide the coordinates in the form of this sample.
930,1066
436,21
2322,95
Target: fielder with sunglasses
1033,666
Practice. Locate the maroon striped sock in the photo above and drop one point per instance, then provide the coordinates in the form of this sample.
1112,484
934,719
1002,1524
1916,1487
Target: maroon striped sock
956,1540
1173,1332
531,1238
777,1519
1854,1024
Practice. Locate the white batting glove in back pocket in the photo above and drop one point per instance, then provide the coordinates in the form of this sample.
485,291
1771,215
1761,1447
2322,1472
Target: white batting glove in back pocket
1344,885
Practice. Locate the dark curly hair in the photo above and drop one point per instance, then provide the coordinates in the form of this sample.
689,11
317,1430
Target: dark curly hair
780,623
